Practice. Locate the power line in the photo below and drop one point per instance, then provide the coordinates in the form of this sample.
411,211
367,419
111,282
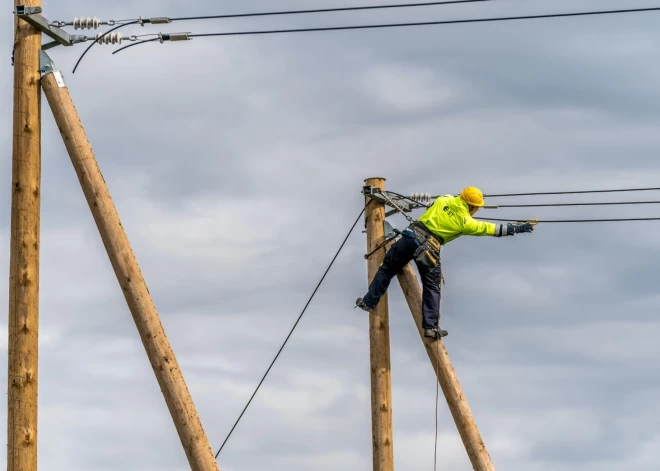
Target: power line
294,327
621,190
539,205
395,25
328,10
571,192
575,204
280,13
422,204
554,221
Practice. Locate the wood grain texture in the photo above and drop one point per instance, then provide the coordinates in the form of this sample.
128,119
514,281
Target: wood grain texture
458,405
158,348
23,318
379,341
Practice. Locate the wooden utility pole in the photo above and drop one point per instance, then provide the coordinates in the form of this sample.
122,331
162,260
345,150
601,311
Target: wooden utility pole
24,251
160,353
458,405
379,340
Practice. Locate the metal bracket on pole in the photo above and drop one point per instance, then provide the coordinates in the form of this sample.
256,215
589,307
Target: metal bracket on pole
46,66
32,15
377,195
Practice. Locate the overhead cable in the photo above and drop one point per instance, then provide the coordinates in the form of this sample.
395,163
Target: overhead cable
582,192
423,205
160,20
504,195
613,203
294,326
395,25
328,10
556,221
426,200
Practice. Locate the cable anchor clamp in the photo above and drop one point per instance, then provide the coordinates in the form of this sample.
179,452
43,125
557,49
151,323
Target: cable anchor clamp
162,37
160,20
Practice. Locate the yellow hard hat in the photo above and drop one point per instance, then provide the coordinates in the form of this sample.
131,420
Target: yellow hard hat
472,196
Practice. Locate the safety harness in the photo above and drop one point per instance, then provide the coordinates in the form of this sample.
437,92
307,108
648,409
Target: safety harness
428,252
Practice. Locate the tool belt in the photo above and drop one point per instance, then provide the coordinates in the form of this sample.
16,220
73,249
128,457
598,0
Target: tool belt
428,252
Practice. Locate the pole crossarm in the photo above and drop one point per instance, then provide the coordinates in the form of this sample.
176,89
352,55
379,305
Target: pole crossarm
385,198
33,16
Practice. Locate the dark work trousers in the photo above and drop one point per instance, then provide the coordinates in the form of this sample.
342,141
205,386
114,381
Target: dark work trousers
397,257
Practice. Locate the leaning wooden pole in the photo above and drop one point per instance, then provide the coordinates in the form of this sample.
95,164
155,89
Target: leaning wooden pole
159,350
23,316
379,340
458,405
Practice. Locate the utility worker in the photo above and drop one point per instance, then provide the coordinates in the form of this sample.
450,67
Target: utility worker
447,219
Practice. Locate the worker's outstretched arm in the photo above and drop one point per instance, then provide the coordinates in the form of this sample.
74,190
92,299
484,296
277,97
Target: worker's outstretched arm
483,228
479,228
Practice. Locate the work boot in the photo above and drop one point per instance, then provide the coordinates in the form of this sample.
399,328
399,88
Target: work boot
360,303
435,333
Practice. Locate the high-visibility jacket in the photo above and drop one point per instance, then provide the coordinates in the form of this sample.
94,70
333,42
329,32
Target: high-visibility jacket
449,218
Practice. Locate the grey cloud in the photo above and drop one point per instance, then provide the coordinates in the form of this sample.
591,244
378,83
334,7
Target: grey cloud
236,167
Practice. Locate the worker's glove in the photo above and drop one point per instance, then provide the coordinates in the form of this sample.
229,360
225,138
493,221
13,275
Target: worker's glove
510,229
526,227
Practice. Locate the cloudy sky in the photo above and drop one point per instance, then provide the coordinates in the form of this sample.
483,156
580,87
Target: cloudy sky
236,165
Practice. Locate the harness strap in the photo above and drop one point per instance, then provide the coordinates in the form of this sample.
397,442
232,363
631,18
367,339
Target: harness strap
423,234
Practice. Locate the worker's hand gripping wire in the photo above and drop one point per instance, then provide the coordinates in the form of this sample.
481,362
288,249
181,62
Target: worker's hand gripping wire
527,226
511,228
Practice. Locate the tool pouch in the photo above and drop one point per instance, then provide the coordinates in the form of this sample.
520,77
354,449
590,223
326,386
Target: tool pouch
428,253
